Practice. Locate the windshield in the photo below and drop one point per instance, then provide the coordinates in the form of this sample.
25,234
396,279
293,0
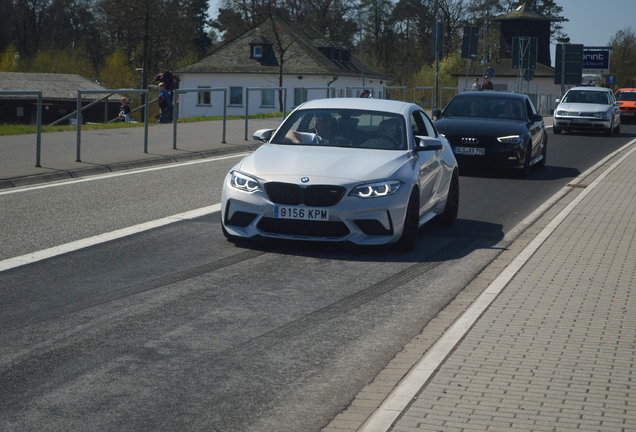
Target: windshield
583,96
485,107
626,96
343,128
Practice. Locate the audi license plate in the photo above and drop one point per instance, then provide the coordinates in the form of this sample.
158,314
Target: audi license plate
301,213
470,151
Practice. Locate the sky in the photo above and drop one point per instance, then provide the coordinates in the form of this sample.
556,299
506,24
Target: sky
592,22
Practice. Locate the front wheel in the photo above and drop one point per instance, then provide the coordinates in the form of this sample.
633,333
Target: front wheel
544,154
449,217
610,131
411,224
527,168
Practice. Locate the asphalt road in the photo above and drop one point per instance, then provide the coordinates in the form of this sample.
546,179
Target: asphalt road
175,328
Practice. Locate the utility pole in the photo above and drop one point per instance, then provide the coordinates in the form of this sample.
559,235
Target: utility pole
146,49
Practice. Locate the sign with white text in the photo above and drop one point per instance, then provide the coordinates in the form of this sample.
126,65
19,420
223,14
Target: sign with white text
596,61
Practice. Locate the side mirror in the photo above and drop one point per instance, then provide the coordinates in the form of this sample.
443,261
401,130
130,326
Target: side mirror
426,143
263,135
437,113
536,118
557,100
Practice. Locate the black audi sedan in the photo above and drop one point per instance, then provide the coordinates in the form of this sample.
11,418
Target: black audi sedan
488,128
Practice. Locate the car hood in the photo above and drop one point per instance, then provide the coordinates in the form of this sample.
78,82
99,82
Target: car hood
275,162
583,107
472,127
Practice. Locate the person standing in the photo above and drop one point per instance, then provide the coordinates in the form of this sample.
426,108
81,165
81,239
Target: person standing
167,78
476,85
164,104
487,85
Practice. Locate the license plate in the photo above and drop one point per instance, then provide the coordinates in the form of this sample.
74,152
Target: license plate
470,151
579,121
301,213
628,114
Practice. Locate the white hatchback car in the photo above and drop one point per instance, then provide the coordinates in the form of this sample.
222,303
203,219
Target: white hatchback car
365,171
587,108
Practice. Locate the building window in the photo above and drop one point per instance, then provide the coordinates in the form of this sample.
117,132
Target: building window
267,98
204,98
257,51
300,96
236,95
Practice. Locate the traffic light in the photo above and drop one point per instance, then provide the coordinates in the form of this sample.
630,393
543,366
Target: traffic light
568,64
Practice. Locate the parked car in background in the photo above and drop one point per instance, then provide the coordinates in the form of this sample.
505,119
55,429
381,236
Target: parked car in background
626,97
365,171
494,129
589,109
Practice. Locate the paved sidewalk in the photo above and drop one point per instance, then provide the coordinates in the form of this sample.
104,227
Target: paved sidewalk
551,344
108,150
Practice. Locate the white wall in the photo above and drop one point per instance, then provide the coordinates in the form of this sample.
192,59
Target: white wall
542,90
189,107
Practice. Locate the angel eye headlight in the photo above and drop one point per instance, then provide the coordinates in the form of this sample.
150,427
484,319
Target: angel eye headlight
375,190
512,139
244,182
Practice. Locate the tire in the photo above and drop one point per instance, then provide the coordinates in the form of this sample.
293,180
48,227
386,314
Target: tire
541,163
610,131
449,217
408,239
618,129
527,168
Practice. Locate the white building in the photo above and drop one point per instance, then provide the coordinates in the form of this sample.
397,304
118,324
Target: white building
248,71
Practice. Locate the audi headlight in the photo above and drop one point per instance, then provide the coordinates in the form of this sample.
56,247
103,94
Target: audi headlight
375,190
244,182
512,139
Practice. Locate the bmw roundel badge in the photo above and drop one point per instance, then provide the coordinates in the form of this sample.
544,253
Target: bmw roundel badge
304,179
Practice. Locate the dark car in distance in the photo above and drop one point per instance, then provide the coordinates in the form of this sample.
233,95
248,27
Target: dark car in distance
494,129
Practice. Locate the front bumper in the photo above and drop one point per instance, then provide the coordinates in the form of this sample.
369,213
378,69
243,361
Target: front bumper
495,154
581,123
372,221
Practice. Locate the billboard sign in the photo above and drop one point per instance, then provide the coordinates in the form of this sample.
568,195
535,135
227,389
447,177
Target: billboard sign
596,61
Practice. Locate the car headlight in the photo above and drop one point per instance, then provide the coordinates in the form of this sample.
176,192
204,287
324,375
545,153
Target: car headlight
602,115
561,113
244,182
512,139
375,190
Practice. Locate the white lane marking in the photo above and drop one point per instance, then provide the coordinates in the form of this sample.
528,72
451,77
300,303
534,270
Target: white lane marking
118,174
408,388
102,238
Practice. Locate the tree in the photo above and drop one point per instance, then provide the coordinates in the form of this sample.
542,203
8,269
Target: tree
29,24
152,31
623,57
